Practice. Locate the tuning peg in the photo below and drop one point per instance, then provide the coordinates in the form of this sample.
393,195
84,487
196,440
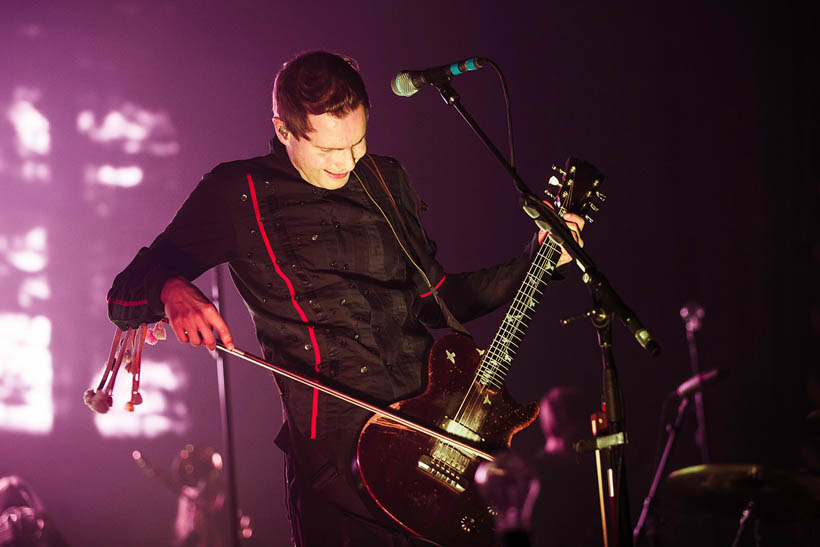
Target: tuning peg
589,219
559,170
600,196
594,207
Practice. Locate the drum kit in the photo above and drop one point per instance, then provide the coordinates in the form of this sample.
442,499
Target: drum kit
737,504
768,506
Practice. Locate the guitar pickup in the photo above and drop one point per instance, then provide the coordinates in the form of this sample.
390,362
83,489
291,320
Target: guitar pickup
442,472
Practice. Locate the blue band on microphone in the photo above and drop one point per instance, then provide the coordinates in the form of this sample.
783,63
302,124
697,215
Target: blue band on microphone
470,64
454,70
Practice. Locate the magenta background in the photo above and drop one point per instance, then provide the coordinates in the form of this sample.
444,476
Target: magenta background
702,119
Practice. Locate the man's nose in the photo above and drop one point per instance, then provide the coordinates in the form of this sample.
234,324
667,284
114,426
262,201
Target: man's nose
345,161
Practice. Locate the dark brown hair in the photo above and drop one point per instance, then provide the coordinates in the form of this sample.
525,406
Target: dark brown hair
315,83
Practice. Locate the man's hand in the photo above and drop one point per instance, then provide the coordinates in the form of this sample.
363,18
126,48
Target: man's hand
192,316
575,224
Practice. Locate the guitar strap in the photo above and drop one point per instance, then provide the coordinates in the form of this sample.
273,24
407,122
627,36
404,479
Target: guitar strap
449,318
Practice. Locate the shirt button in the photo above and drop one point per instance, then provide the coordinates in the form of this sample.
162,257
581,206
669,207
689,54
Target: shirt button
314,237
250,255
377,328
356,336
269,285
308,347
363,369
336,225
244,197
333,264
343,301
253,231
267,183
344,266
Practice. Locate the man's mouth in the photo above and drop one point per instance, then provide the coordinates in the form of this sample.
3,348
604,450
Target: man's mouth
336,175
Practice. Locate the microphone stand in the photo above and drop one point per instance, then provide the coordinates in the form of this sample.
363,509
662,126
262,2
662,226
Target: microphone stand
547,219
613,406
672,431
692,321
225,412
607,302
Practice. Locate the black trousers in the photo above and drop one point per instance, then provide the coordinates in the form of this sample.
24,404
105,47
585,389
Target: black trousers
325,507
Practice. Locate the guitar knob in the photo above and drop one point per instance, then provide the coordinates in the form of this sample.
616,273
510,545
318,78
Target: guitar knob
467,523
553,181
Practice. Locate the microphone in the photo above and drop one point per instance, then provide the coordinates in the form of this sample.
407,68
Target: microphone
408,82
696,382
692,314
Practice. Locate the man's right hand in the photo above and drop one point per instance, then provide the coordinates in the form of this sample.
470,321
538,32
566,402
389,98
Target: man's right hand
192,316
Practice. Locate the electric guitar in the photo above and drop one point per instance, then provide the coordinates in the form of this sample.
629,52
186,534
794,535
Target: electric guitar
425,485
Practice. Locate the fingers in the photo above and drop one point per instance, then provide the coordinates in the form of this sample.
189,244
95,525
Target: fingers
197,329
575,229
224,334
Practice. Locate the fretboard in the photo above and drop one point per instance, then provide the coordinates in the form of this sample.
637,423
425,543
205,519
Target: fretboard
498,357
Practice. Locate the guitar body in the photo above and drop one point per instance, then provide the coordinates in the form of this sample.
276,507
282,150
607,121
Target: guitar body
423,484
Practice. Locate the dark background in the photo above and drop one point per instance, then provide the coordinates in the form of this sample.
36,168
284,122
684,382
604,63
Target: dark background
703,119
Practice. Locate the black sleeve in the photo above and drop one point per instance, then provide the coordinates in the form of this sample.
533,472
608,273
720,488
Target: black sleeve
199,237
468,295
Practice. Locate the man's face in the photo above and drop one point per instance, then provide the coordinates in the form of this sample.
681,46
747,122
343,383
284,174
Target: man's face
330,152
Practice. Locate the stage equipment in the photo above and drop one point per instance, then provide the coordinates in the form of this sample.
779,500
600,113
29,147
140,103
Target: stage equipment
683,391
754,493
692,315
407,82
197,480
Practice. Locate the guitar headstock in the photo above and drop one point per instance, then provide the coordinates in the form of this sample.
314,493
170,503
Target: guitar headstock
577,190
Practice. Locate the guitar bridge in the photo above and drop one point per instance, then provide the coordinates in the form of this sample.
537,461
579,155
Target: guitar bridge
444,473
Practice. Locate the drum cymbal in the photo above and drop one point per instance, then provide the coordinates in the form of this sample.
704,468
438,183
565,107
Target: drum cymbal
776,493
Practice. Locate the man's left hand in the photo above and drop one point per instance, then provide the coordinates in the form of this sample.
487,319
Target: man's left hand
575,225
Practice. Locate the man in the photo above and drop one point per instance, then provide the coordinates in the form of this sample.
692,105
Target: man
326,247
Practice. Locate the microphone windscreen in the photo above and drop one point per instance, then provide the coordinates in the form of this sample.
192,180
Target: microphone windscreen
402,85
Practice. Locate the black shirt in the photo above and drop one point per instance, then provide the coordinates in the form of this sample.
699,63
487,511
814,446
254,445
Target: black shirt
323,274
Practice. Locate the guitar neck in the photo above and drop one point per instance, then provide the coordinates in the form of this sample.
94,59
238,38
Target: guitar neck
498,357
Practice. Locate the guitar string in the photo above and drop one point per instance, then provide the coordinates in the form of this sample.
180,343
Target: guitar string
514,317
487,376
495,360
510,329
468,413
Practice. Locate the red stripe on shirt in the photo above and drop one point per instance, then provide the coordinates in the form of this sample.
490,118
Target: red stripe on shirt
297,307
425,295
127,302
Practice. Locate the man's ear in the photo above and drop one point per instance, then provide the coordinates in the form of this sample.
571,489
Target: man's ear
282,132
